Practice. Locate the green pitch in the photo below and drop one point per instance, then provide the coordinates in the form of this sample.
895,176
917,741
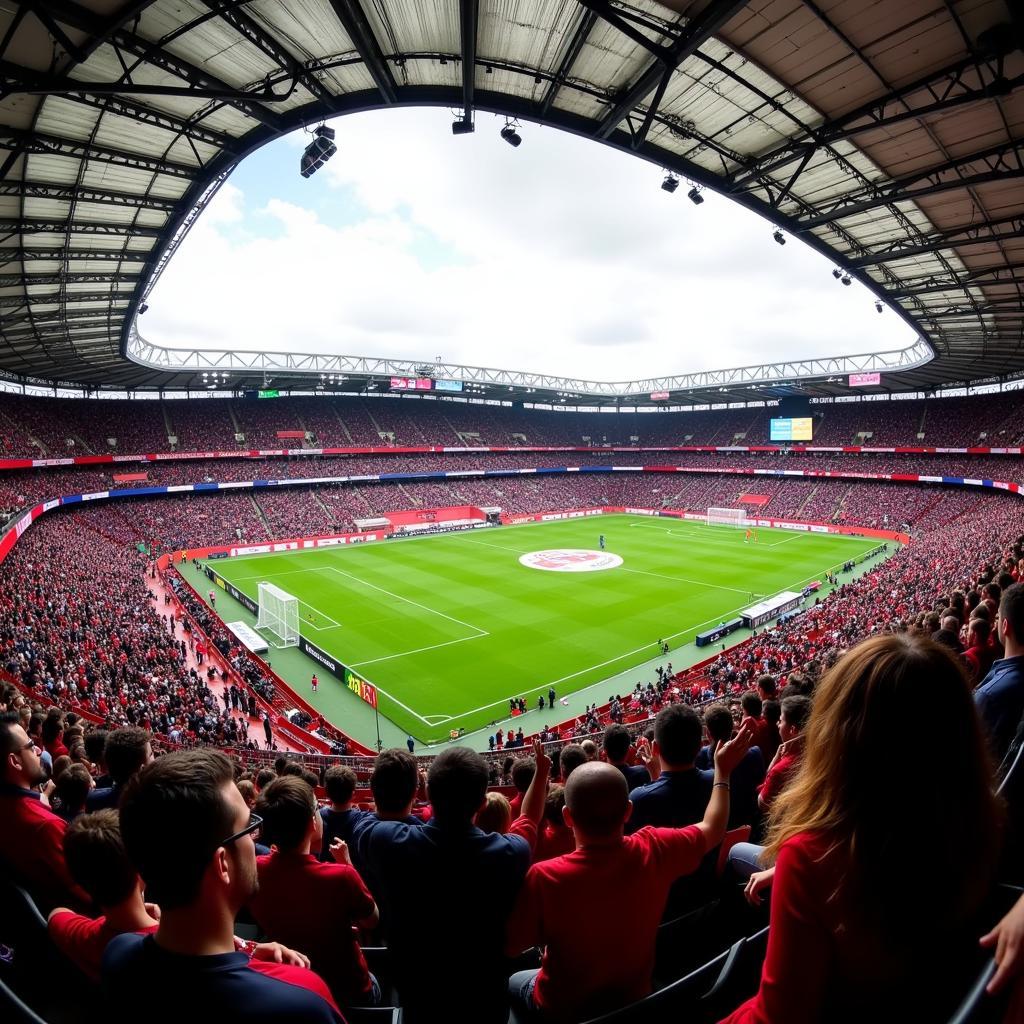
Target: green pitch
448,627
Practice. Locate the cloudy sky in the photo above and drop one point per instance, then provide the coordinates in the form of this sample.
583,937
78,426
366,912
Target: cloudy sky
561,256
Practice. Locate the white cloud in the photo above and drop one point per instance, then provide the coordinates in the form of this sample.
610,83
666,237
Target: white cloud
560,256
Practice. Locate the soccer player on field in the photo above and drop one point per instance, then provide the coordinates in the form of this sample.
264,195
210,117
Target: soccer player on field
314,682
746,539
600,541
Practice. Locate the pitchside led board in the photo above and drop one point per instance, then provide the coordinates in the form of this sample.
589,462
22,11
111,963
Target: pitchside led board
792,428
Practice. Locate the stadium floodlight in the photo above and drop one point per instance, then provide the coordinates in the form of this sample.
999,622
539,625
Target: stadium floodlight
837,273
318,152
510,135
878,306
670,183
779,237
463,126
694,196
846,280
143,308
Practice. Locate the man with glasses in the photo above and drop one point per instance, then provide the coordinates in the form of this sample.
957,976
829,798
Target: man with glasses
32,836
191,837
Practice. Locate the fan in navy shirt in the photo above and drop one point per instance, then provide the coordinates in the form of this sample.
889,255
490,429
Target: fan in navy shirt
1000,695
189,833
126,751
616,744
746,777
459,882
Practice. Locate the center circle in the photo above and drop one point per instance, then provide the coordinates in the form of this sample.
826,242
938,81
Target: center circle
570,560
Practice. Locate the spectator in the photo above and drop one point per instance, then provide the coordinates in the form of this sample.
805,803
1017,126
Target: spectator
95,745
53,733
32,838
72,791
555,837
495,815
340,784
582,973
189,834
97,862
474,879
522,775
1000,696
680,793
309,905
855,925
753,709
572,756
616,744
771,712
125,752
796,711
747,776
980,654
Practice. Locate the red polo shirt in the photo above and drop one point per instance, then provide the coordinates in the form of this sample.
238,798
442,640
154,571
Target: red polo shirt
83,939
312,907
32,843
563,907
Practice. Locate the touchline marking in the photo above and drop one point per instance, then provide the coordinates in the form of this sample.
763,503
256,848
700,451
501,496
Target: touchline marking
499,547
418,650
409,600
683,579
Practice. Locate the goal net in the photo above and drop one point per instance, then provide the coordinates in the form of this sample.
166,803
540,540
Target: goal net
727,517
278,614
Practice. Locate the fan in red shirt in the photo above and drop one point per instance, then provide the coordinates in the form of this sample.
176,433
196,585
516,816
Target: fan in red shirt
307,904
522,776
795,713
554,837
97,862
857,932
584,973
32,836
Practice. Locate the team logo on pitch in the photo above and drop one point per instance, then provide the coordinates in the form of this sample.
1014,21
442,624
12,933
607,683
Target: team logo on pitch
571,560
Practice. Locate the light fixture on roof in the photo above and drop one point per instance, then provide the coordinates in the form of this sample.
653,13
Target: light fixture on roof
318,152
510,135
670,182
694,196
878,306
837,273
779,237
846,280
143,308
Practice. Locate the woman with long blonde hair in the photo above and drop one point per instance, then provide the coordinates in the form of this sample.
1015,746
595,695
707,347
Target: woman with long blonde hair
884,844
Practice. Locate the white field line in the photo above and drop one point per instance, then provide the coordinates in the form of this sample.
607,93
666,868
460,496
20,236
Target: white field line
418,650
499,547
409,600
683,579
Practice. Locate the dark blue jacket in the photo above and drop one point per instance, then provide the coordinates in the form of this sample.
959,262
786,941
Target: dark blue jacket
1000,702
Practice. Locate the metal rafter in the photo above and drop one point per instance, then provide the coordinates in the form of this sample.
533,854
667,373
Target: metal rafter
961,237
1000,163
354,21
70,193
84,20
945,90
14,254
572,51
696,31
468,13
38,226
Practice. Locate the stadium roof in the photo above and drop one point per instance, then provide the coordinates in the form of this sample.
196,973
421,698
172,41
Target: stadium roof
886,135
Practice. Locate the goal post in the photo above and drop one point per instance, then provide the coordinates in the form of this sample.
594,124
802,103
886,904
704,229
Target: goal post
727,517
278,614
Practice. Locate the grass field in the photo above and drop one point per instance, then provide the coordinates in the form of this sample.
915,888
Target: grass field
449,627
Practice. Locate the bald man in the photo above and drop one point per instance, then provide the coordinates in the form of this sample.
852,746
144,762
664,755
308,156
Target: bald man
589,968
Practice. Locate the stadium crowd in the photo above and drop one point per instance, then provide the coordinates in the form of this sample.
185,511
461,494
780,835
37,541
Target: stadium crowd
34,427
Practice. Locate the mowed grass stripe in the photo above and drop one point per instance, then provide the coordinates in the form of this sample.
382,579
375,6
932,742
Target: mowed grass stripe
453,625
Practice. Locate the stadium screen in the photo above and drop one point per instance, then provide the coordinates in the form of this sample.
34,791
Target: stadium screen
447,385
791,428
412,384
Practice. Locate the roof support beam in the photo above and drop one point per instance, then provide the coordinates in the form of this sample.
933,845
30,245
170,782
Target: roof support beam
695,32
35,142
980,233
82,194
17,254
56,298
70,13
36,226
30,280
468,14
572,51
1001,163
956,85
247,27
353,19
